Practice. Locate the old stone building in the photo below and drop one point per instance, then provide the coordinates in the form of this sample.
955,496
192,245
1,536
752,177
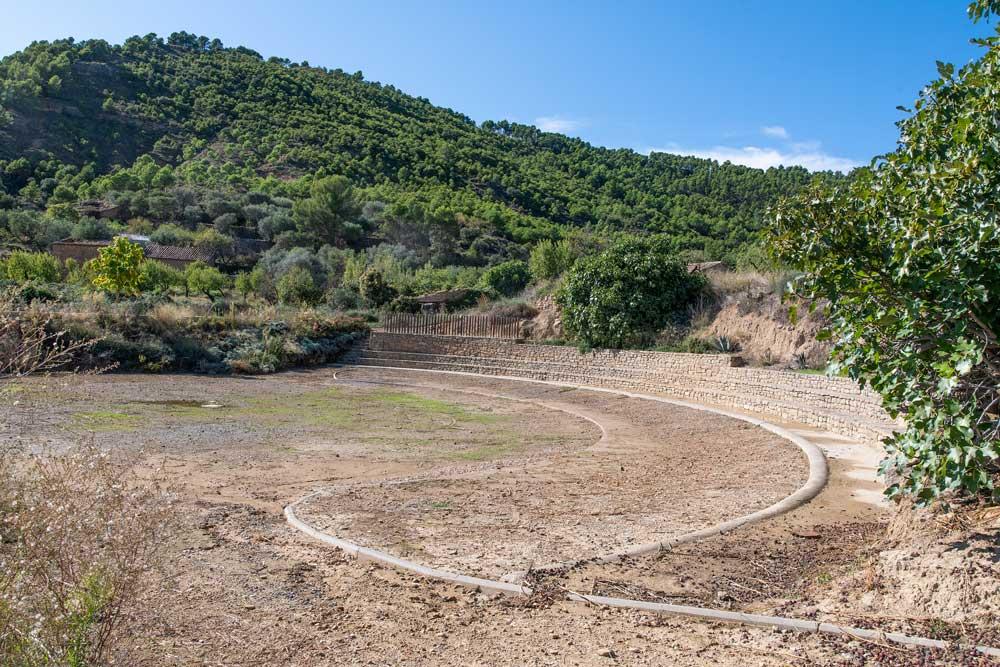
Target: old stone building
175,256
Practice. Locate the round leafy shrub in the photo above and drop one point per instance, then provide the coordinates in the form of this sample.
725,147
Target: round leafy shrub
159,278
205,279
506,279
375,289
622,297
298,288
23,266
342,298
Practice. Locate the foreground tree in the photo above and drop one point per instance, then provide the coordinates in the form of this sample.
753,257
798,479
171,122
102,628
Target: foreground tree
118,267
907,259
625,295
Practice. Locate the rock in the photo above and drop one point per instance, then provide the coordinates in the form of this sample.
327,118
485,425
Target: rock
607,653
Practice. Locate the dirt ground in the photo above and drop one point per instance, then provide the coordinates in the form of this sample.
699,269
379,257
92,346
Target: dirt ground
480,485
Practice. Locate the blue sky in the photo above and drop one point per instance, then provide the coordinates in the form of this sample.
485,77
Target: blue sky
758,82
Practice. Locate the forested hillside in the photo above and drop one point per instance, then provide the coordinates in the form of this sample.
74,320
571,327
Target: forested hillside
181,130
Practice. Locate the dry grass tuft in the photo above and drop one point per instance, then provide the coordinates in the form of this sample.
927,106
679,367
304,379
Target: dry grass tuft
753,283
170,316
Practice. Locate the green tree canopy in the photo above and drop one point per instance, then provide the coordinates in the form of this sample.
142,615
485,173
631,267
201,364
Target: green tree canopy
330,214
297,288
204,279
118,267
506,279
907,259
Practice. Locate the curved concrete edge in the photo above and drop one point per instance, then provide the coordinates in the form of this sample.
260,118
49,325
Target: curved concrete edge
816,480
818,475
779,622
365,553
800,497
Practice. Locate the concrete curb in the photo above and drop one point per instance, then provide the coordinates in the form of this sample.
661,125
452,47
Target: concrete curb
818,470
818,475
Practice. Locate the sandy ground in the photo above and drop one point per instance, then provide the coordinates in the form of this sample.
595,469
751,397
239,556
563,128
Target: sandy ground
658,471
486,483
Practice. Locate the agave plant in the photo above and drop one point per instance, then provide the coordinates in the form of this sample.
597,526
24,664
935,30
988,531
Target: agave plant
726,345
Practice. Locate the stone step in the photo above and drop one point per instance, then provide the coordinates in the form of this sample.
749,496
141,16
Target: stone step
773,389
827,419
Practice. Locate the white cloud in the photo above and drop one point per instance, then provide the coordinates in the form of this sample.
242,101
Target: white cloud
776,131
804,154
558,124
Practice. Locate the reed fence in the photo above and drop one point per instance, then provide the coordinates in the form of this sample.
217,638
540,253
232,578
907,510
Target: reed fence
443,324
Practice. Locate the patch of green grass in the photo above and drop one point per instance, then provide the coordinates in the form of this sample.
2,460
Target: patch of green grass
441,505
10,389
106,421
310,409
492,450
434,406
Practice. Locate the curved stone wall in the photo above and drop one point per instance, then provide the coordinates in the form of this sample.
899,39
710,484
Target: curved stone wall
834,404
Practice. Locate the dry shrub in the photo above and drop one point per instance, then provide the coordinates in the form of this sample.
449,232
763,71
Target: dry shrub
28,341
170,317
753,283
79,540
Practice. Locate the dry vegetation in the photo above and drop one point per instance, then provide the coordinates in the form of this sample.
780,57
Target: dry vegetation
79,532
160,333
28,343
80,540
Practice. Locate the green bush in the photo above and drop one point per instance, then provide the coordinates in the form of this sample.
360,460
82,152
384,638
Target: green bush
403,304
907,256
159,278
506,279
91,229
342,298
202,278
298,288
550,259
622,297
375,290
172,235
23,266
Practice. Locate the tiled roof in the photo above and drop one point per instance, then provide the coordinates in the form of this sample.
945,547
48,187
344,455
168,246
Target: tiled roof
98,243
157,251
151,250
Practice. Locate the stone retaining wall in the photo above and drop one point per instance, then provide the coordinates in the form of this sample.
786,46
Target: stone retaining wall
835,404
